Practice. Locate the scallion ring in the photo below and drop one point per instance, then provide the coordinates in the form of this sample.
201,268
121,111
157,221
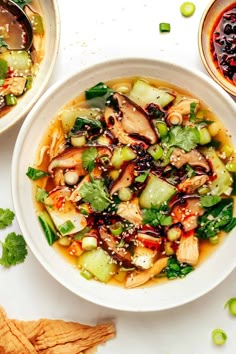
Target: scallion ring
231,304
218,336
164,27
187,9
116,229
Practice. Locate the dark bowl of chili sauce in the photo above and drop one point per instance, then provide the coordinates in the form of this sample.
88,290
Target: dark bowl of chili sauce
223,43
217,43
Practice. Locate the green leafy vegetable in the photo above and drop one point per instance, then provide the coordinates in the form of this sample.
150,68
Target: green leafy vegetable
217,218
98,94
209,200
22,3
6,218
14,250
3,67
157,216
83,122
41,194
142,178
185,138
175,269
88,158
34,173
192,116
80,235
96,194
3,43
190,171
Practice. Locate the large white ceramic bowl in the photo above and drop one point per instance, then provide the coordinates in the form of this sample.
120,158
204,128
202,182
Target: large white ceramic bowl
51,20
170,294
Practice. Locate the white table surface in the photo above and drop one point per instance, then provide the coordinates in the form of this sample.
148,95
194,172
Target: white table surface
92,31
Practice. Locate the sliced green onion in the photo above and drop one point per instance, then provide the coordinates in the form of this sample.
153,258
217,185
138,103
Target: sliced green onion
10,100
155,151
86,274
218,336
164,27
66,227
187,9
162,129
116,229
231,304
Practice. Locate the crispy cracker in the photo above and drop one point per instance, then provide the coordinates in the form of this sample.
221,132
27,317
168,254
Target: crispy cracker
12,341
51,336
59,337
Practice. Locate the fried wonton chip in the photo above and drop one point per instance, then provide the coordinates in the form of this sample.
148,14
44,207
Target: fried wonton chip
51,336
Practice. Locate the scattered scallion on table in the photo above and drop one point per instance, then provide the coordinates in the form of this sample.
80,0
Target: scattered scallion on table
187,9
164,27
219,337
231,304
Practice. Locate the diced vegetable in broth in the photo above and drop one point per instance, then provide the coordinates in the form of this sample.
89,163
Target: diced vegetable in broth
139,184
18,68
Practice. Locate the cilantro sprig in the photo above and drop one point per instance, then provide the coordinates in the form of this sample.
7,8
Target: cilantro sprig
185,138
157,216
95,193
14,250
6,218
88,158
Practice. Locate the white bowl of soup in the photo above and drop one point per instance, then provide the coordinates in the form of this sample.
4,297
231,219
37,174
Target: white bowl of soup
26,72
126,196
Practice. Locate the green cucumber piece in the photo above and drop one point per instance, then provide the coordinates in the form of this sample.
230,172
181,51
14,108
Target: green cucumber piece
142,93
99,263
223,180
156,192
48,227
18,60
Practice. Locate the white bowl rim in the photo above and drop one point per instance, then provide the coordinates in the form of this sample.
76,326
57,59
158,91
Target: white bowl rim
37,92
85,291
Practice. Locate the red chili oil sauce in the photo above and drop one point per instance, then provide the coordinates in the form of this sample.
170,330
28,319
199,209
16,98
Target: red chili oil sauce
223,43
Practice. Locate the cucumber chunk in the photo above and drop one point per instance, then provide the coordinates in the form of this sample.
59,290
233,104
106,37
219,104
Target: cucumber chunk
223,180
99,263
48,227
142,93
20,60
156,192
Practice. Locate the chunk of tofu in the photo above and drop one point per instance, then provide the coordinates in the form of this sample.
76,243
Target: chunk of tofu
144,257
130,211
188,251
13,85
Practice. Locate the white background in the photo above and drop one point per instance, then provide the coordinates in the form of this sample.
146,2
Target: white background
93,31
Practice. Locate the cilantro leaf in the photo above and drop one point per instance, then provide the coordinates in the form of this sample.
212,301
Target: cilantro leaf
185,138
41,194
96,194
190,171
156,216
34,173
14,250
175,269
88,158
6,218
